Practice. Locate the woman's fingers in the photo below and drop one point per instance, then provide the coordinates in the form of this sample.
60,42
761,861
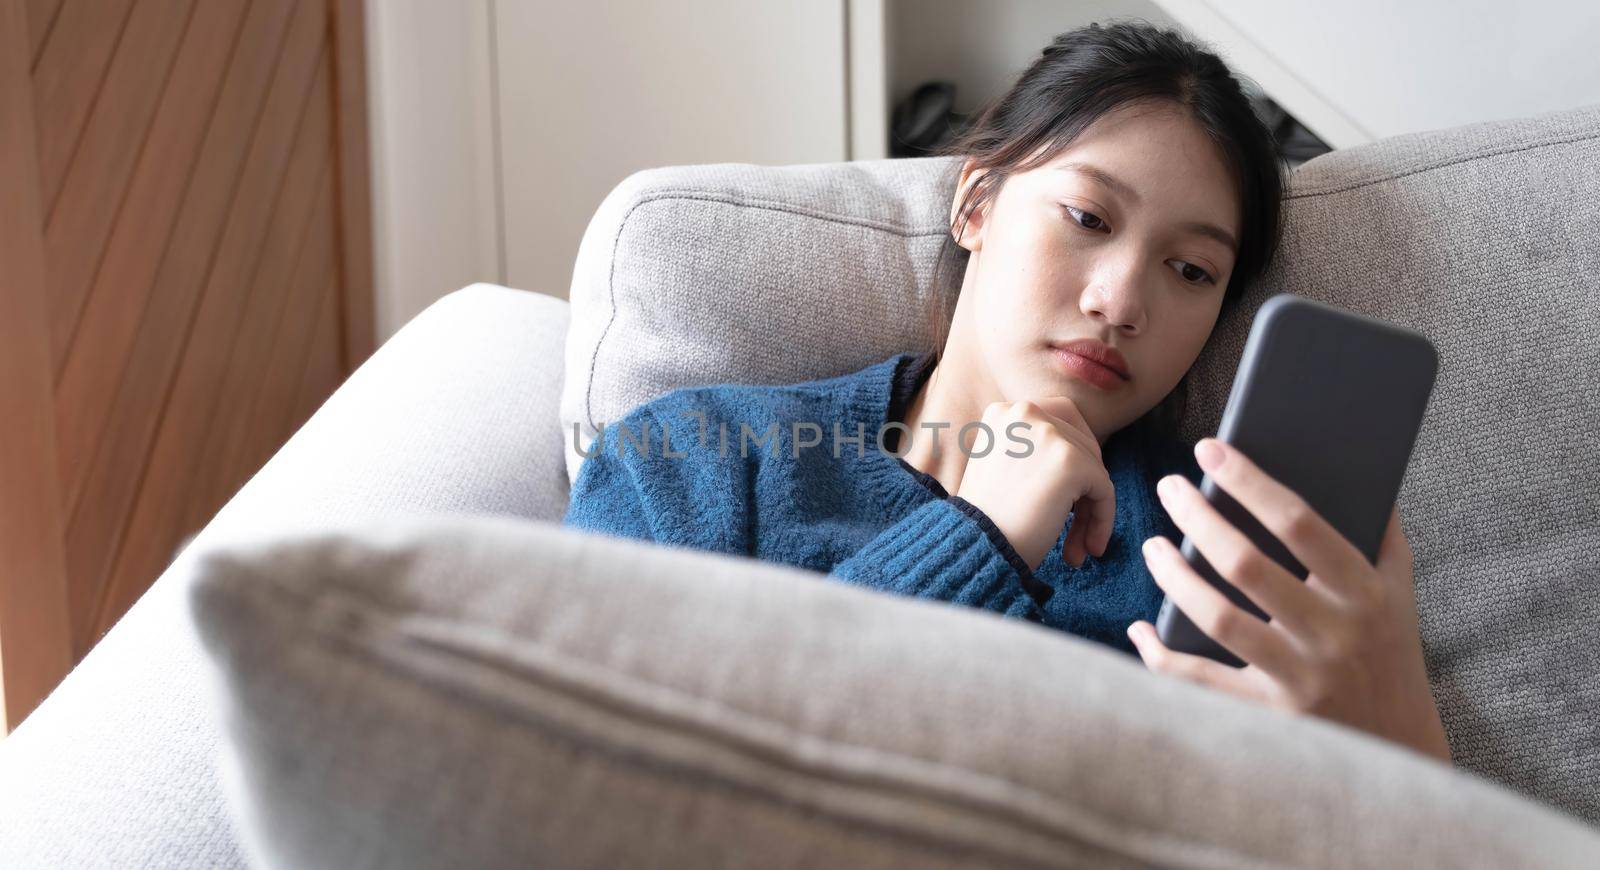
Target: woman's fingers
1313,542
1102,498
1069,421
1094,511
1258,643
1394,551
1161,659
1094,515
1073,548
1089,530
1238,560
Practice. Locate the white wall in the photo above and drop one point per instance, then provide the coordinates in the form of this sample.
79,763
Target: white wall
435,222
498,126
590,92
1359,70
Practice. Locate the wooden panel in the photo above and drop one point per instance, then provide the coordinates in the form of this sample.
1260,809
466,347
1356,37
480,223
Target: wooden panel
173,265
185,222
67,82
97,179
35,649
99,507
41,17
280,395
355,189
324,369
268,419
192,113
223,466
169,503
271,417
109,402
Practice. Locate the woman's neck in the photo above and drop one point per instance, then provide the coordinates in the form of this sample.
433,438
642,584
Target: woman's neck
943,403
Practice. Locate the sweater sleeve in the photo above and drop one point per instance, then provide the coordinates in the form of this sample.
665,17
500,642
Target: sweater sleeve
606,497
950,550
629,486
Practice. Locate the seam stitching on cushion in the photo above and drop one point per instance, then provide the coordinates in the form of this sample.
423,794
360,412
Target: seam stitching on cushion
623,706
779,205
668,721
1480,155
616,241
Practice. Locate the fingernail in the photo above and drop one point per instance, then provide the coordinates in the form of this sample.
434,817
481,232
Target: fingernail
1150,546
1167,487
1208,453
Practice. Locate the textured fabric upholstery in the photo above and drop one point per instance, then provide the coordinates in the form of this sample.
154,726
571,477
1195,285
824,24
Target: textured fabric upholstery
1485,239
750,274
1481,236
484,692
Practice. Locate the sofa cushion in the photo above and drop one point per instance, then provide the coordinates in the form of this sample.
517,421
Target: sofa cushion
488,692
1480,236
753,274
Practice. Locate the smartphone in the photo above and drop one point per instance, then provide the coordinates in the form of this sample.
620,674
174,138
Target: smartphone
1329,403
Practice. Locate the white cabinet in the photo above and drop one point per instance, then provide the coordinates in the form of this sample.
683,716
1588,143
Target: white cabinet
589,92
499,125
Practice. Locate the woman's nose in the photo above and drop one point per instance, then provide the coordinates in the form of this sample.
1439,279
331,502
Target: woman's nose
1115,295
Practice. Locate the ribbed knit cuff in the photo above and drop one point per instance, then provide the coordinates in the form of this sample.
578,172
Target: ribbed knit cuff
1040,590
942,551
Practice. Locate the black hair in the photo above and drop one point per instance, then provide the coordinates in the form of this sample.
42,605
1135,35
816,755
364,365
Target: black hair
1084,74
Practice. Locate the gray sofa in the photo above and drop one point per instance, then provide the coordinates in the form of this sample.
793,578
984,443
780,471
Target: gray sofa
1482,236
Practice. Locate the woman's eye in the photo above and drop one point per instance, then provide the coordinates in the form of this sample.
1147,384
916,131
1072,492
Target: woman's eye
1087,220
1091,221
1194,274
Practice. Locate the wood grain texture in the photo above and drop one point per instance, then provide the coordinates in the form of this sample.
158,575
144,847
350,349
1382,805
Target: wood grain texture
35,645
41,17
223,467
170,496
97,180
141,229
97,514
324,367
67,81
186,225
102,364
269,424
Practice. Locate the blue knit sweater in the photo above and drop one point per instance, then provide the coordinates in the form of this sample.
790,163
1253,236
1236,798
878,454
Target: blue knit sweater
721,468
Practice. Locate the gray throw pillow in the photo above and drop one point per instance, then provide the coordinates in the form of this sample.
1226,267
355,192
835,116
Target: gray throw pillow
491,692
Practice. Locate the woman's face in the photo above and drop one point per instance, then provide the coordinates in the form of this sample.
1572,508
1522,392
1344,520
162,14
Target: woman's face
1115,239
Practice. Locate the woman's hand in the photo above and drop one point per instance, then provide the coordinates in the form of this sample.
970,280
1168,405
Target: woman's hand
1028,497
1344,644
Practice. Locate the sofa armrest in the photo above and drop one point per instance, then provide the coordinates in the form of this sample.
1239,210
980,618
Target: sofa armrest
455,414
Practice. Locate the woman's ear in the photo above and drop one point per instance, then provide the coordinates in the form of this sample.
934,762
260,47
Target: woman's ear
971,236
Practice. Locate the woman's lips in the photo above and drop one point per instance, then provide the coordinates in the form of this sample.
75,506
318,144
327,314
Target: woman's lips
1087,369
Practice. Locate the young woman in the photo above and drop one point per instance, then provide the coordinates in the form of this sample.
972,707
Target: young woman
1110,208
